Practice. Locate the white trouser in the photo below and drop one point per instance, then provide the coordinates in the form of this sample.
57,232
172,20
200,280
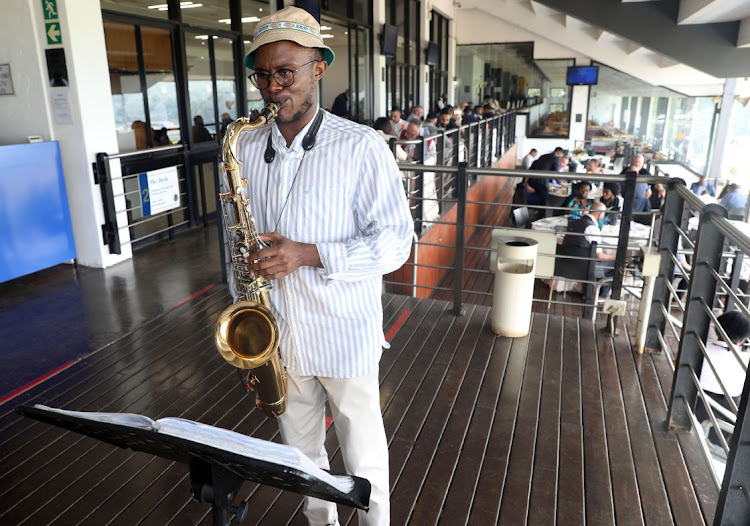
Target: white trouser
355,406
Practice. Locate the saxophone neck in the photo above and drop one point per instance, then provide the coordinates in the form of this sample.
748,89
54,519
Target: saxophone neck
237,128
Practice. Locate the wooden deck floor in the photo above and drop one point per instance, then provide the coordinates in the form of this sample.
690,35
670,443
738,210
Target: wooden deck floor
565,426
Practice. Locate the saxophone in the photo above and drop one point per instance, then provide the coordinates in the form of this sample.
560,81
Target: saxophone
247,333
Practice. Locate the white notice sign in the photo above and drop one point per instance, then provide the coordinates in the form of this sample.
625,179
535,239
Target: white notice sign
6,81
61,107
160,190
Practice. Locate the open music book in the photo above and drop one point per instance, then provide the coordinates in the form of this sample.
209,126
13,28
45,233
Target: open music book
220,439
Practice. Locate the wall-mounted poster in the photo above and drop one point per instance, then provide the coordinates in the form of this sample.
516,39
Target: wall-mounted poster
6,82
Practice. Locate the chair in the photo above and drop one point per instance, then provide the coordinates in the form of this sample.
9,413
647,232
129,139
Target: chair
577,269
521,217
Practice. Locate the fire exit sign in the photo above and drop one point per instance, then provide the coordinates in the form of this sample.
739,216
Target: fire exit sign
51,22
50,10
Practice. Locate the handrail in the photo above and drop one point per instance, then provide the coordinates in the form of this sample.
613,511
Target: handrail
149,152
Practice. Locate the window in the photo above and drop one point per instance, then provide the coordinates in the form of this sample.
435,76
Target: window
557,92
211,84
146,112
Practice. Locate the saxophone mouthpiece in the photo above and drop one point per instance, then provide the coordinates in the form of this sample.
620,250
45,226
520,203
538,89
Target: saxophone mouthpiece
269,111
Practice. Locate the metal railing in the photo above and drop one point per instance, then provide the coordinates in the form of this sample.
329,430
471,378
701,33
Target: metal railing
129,214
689,333
468,216
477,144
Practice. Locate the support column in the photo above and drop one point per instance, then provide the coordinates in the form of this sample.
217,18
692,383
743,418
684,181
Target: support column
721,136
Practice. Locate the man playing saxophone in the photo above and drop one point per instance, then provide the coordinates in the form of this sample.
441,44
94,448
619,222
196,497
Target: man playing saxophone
327,197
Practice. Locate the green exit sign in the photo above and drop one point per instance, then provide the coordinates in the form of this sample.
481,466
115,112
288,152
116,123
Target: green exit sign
54,35
50,9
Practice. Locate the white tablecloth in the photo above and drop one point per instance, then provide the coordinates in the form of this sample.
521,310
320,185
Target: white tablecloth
610,234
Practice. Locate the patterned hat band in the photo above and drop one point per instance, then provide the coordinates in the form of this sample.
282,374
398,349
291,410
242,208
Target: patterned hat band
296,26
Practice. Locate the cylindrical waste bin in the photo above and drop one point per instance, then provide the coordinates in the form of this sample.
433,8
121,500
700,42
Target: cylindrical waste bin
514,286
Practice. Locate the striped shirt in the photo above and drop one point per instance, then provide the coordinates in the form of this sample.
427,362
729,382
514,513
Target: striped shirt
345,196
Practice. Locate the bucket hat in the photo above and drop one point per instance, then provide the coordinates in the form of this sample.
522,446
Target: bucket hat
293,24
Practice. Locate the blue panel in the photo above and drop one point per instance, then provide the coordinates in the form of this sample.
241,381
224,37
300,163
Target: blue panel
35,229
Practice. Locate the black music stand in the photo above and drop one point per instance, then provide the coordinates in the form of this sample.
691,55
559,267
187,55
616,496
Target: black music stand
216,475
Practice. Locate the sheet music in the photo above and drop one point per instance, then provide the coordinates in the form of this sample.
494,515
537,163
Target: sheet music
220,439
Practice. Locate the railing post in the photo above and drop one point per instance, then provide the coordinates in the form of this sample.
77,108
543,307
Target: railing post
491,135
477,144
668,243
456,146
419,188
500,136
624,238
440,176
708,248
110,233
733,506
458,286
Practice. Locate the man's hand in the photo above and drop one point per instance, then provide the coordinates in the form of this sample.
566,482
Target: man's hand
283,257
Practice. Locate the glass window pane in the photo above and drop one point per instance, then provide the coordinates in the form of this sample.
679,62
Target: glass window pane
400,45
127,99
338,7
162,91
206,13
414,55
200,87
361,11
252,11
225,82
364,79
336,78
735,153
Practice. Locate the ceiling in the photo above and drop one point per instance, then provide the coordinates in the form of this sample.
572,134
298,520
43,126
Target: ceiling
688,46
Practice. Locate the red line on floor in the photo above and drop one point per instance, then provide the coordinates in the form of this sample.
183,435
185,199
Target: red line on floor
34,383
396,326
202,291
53,276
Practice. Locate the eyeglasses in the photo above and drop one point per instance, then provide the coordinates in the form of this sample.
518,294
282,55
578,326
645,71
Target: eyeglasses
283,77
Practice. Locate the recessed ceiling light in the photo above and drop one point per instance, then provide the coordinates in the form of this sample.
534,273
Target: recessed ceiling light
324,28
326,36
183,5
245,20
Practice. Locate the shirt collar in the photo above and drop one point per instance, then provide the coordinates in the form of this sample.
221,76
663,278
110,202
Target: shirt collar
279,142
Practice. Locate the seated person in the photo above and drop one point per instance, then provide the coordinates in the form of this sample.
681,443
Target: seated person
537,190
594,167
734,200
613,202
642,202
383,126
580,199
200,132
737,328
703,186
586,230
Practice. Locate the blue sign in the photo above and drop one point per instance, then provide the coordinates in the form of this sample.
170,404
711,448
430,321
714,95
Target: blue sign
160,190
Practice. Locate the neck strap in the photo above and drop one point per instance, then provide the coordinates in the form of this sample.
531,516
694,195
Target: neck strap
307,142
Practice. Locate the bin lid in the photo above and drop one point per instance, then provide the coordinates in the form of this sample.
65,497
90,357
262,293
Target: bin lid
517,247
